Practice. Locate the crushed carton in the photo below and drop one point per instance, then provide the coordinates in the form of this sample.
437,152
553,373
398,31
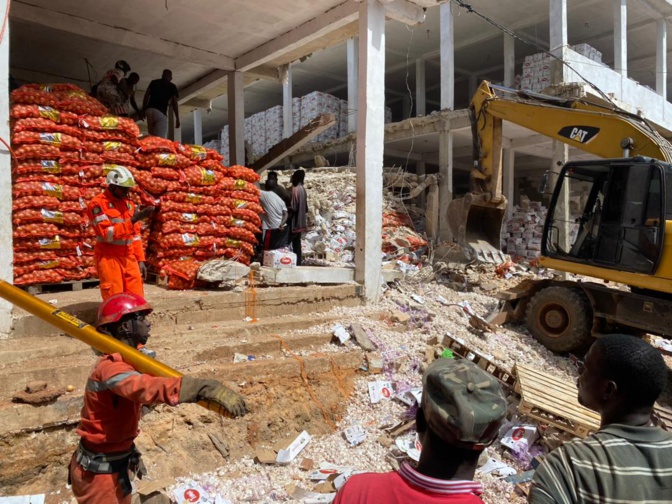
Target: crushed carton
520,437
287,455
410,445
341,333
355,434
410,397
379,390
191,493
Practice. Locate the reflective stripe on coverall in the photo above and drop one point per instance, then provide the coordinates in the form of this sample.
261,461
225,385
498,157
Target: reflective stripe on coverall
115,393
118,245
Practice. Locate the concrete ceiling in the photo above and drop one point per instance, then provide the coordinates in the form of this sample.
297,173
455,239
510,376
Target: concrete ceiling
52,39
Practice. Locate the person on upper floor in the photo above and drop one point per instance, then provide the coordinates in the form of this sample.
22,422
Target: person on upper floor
127,88
161,93
107,91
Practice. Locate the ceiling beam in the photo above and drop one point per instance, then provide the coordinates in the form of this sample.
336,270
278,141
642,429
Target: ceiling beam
205,83
72,23
405,12
332,20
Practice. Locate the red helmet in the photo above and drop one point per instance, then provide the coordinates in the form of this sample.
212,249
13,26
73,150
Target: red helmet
113,308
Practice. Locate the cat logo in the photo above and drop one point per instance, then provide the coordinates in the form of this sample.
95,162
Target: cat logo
579,134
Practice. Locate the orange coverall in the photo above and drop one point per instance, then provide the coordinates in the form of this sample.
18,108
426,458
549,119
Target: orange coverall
115,393
118,247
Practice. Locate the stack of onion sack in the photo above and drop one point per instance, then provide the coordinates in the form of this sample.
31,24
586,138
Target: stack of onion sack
399,238
49,183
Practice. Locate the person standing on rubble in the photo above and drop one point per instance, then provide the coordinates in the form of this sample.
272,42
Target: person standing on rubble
106,459
118,253
272,181
298,208
159,95
627,459
462,409
274,218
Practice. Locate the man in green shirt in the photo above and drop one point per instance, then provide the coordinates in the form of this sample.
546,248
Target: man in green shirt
627,460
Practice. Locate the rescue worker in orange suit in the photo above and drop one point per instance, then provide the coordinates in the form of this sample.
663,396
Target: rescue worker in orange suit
106,459
119,256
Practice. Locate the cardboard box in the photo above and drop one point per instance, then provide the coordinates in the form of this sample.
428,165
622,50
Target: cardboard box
279,259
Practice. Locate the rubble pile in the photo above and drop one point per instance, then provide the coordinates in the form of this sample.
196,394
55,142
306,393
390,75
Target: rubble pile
331,222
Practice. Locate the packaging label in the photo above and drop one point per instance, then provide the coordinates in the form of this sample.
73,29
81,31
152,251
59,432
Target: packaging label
198,152
50,243
167,159
109,122
48,264
51,139
236,222
239,184
189,217
111,146
50,113
190,240
193,198
207,177
240,203
77,94
55,190
50,166
380,390
230,242
52,216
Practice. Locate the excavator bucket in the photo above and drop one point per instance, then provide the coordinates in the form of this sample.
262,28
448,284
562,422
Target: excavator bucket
476,224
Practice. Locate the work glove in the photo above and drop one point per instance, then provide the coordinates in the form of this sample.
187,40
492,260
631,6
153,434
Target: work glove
196,389
142,213
143,270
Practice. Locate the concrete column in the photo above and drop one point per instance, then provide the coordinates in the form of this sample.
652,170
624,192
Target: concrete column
421,171
6,250
198,126
446,181
287,107
406,107
447,58
420,99
509,61
508,179
558,38
621,37
370,142
661,59
473,82
353,71
236,98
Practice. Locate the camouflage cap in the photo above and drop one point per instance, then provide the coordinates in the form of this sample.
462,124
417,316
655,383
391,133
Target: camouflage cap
462,404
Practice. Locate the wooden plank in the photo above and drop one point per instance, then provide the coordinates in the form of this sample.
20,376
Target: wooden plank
71,285
294,142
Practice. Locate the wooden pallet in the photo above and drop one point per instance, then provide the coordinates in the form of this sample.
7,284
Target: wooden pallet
74,285
505,376
156,279
553,401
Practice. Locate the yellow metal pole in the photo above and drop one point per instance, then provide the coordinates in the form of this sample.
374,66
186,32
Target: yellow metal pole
88,334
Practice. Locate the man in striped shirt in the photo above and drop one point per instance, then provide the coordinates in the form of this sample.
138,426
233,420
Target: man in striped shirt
460,415
627,460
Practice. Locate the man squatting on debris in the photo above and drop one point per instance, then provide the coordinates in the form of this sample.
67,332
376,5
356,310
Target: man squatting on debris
461,412
102,466
627,460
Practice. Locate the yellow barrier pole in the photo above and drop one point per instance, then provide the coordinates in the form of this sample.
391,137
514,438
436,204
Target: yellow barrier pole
88,334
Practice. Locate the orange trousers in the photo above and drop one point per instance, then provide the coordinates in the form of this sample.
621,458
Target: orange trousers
118,274
92,488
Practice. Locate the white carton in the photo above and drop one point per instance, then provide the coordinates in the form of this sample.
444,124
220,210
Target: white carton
190,494
286,456
279,259
520,437
380,390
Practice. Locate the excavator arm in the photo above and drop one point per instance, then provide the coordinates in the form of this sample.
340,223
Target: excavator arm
475,219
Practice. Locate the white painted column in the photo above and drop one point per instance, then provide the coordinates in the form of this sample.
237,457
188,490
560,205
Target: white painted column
353,72
370,142
198,126
447,58
558,38
6,250
287,106
661,59
509,61
621,37
420,94
236,100
508,156
446,180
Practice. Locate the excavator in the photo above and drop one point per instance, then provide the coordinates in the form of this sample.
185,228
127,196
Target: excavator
609,219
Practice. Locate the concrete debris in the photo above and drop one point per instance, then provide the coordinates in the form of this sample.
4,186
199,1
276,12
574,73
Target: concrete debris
400,317
36,386
222,271
340,333
38,393
360,336
375,363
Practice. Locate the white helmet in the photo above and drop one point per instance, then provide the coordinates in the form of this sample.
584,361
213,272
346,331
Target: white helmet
120,176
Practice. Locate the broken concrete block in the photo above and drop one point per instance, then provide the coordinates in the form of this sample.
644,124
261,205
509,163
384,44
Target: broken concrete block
375,362
400,317
265,456
385,440
430,354
307,464
221,271
361,337
43,395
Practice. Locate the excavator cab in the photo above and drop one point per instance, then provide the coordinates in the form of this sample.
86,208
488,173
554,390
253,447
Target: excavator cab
609,214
